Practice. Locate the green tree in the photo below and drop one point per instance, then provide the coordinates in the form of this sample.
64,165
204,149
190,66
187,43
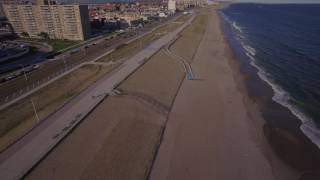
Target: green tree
44,35
25,34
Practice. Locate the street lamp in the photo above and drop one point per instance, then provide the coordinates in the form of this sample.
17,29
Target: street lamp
64,63
35,111
24,72
32,103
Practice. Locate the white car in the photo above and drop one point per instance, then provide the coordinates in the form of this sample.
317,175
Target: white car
162,14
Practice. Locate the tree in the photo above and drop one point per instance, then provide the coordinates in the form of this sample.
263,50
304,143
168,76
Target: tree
25,34
44,35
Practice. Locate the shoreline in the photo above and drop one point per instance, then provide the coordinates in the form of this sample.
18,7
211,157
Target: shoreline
258,122
210,124
284,139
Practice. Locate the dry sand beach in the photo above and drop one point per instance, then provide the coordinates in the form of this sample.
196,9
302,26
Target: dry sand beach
162,126
208,134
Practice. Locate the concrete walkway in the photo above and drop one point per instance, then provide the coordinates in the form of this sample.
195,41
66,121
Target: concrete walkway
186,66
19,158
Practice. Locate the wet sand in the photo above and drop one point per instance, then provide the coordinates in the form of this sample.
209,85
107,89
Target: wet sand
214,131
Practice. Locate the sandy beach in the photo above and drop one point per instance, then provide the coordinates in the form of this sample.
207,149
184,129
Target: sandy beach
214,131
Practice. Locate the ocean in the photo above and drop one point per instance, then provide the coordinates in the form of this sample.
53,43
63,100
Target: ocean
282,42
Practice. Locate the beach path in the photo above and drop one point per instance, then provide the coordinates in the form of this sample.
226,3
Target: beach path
208,134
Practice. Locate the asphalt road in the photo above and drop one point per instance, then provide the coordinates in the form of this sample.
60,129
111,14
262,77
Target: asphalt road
17,87
12,91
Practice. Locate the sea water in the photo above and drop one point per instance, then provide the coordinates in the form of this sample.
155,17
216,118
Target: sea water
283,43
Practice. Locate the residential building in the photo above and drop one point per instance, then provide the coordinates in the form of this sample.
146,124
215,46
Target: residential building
3,2
2,15
10,1
172,6
58,21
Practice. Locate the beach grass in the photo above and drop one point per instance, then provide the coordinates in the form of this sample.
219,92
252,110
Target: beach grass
186,45
58,45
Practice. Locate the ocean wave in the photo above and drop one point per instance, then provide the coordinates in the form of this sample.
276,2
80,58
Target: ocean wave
280,96
311,131
225,17
249,49
235,26
308,127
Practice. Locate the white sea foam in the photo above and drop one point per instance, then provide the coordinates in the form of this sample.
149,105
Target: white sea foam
249,49
235,26
311,131
225,17
282,97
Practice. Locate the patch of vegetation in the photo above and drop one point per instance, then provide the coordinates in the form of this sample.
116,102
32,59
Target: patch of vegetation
58,44
200,24
190,38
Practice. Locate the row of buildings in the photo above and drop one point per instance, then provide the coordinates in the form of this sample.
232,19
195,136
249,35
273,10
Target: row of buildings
129,12
35,18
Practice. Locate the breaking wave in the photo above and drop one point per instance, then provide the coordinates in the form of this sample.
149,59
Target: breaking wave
308,127
282,97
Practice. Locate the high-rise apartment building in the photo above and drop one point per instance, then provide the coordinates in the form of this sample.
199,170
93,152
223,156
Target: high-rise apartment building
10,1
30,2
58,21
2,15
172,5
3,2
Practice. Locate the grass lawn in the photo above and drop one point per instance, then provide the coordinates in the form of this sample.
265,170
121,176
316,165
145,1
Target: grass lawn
59,45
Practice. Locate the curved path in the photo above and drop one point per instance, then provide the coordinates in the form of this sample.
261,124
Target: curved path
186,66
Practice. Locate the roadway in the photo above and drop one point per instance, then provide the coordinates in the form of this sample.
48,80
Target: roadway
13,91
17,87
19,158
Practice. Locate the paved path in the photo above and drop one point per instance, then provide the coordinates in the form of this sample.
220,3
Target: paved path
186,66
19,158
